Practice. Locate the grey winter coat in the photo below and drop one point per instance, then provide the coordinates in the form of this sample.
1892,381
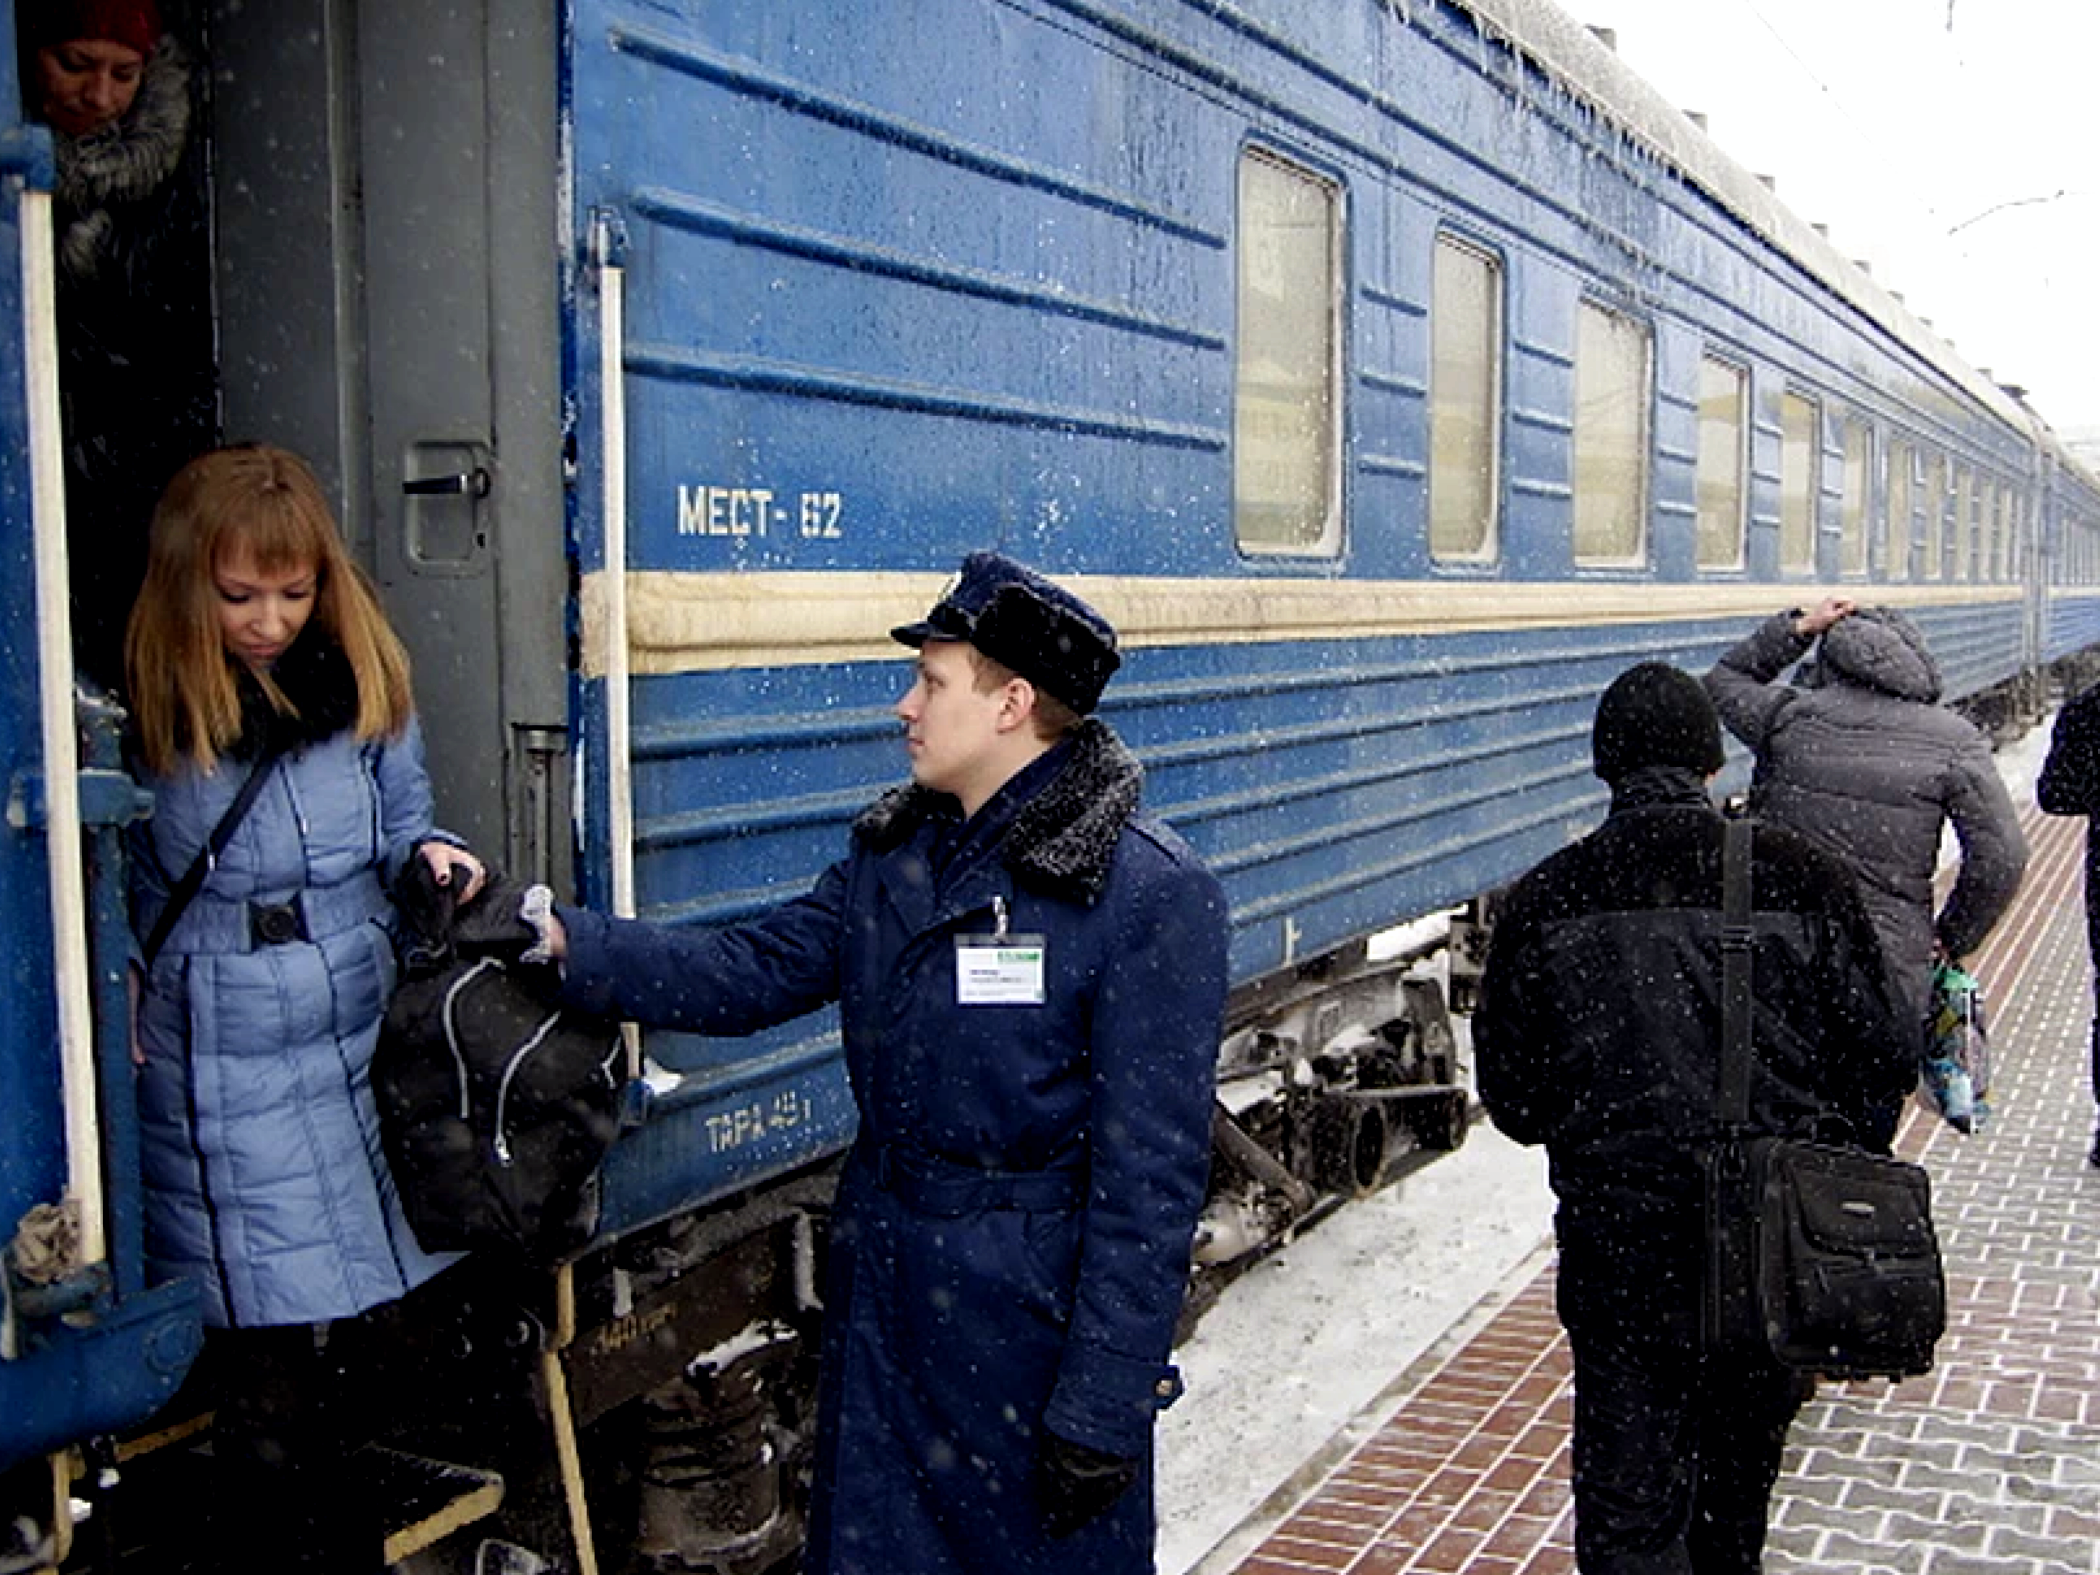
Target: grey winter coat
1011,1237
265,1181
1864,758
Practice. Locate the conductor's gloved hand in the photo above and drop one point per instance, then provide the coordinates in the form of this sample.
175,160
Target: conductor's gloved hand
1075,1485
507,919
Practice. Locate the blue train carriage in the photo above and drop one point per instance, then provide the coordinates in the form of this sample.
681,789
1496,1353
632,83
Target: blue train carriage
2067,576
1392,375
86,1347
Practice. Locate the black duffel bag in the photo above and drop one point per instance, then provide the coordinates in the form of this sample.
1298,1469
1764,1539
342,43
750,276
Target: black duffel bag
1823,1257
1819,1255
496,1106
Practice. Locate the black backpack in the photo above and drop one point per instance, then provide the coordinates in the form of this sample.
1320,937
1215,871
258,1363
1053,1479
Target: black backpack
496,1106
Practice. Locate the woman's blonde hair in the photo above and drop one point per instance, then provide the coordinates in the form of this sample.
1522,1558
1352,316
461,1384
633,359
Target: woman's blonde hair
265,501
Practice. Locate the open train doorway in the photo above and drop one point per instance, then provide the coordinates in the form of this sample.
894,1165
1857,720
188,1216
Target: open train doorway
386,244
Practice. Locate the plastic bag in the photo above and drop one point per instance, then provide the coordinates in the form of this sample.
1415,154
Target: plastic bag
1955,1067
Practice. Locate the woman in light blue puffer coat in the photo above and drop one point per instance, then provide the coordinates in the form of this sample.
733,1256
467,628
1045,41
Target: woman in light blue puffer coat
258,1015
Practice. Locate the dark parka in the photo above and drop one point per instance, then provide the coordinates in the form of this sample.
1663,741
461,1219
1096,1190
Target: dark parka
1012,1231
1598,1020
2069,784
1865,760
1597,1035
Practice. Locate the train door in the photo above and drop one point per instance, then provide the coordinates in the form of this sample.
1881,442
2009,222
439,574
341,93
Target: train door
85,1346
387,257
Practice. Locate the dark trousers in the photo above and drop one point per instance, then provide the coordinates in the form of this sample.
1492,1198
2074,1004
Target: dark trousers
1675,1454
293,1403
2093,1047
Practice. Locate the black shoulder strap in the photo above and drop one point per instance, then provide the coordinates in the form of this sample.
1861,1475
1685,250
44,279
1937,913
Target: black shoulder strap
200,868
1732,1096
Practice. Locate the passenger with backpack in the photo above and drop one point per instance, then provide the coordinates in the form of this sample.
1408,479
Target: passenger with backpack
275,731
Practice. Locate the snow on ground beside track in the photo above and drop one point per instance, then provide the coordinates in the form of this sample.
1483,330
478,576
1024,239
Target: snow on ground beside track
1304,1342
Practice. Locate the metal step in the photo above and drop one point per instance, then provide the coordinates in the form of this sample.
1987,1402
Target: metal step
424,1500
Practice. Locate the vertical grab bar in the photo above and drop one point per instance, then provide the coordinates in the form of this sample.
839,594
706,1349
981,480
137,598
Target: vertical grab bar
62,841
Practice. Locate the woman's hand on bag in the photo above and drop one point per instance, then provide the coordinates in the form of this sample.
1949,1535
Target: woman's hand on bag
454,867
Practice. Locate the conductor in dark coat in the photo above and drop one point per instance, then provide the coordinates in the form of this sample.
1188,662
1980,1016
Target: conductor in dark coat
1031,977
1598,1035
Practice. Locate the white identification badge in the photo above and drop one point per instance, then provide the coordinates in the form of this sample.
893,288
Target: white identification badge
999,970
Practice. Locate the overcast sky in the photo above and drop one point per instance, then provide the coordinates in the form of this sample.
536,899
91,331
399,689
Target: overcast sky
1952,144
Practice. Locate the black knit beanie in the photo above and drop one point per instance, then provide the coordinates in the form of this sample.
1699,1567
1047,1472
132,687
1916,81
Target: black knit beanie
1655,715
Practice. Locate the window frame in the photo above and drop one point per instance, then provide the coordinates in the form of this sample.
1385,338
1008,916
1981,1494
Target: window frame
1740,532
1495,345
1592,309
1331,539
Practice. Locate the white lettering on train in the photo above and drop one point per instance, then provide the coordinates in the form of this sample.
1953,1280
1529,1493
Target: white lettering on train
707,510
725,511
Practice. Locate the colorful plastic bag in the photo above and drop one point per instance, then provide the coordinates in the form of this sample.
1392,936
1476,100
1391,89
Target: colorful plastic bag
1955,1066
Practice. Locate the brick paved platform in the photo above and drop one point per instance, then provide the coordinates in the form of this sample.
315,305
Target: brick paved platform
1988,1465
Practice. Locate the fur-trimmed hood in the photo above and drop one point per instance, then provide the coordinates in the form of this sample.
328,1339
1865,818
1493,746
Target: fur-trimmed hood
125,161
1062,840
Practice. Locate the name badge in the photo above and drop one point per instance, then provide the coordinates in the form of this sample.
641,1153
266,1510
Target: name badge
999,970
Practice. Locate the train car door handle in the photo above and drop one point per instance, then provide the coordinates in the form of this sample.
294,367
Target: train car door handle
472,483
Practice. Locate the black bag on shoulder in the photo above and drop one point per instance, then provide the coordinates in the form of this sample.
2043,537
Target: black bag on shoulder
1819,1255
496,1106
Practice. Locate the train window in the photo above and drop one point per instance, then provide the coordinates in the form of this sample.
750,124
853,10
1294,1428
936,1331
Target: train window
1964,519
1286,476
1724,402
1933,498
1902,463
1800,454
1852,505
2007,558
1611,436
1465,398
1986,529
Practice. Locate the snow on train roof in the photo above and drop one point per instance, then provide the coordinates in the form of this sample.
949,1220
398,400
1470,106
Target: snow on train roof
1573,57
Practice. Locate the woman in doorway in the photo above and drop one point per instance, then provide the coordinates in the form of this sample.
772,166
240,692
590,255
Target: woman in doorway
258,650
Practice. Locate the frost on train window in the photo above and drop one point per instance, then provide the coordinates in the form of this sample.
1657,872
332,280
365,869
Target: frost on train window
1852,503
1896,559
1800,453
2007,558
1724,405
1611,436
1932,501
1465,397
1286,477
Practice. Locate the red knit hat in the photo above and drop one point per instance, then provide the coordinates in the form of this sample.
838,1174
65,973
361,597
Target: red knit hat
133,23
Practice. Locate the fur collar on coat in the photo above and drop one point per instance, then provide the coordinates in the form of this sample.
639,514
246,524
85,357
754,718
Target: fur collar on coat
1062,840
317,678
123,162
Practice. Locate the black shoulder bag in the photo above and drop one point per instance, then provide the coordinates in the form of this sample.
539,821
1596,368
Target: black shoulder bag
193,878
1819,1256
